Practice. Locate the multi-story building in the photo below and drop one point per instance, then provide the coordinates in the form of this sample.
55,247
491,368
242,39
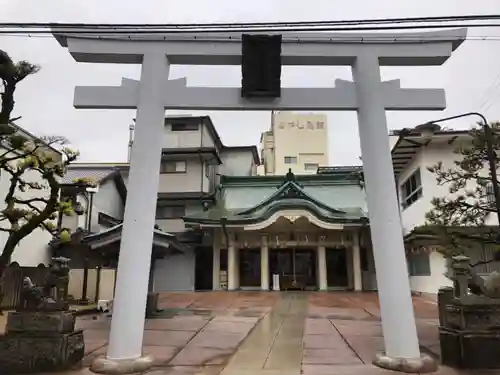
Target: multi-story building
221,226
412,154
295,140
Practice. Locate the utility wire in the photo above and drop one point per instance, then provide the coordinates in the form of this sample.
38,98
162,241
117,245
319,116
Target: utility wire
96,32
253,24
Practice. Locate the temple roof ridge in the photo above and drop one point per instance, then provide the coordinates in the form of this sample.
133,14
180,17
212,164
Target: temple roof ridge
290,189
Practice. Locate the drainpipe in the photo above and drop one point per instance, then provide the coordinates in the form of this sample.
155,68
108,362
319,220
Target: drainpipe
130,141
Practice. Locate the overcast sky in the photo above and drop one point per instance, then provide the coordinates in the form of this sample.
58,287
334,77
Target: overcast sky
471,77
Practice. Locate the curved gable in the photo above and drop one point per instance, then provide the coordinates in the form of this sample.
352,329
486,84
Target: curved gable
290,189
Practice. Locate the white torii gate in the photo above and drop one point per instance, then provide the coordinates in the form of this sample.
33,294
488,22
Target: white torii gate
367,95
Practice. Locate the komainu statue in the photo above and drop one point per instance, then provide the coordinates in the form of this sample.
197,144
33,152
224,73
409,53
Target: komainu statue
49,296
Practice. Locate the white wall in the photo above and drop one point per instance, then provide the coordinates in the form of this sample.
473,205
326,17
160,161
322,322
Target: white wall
431,284
187,139
177,225
298,135
107,200
237,163
414,215
193,180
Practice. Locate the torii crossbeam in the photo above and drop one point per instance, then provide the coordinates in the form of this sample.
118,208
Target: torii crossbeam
367,95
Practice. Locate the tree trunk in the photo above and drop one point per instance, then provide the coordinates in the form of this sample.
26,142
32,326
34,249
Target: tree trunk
3,266
7,102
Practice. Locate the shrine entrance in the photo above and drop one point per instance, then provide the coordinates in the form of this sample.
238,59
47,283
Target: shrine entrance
336,268
250,268
296,267
367,94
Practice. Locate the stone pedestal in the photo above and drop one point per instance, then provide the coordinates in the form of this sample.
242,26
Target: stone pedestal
470,332
40,342
473,313
470,349
445,296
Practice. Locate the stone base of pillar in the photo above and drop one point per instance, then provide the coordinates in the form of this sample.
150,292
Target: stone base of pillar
423,365
103,365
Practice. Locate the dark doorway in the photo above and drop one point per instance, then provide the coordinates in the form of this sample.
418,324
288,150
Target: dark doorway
296,267
336,267
203,268
249,267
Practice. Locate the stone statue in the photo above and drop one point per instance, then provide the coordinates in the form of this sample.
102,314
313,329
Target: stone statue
43,297
40,336
465,279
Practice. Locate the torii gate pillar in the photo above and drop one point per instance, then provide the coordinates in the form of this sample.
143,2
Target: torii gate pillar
124,353
393,285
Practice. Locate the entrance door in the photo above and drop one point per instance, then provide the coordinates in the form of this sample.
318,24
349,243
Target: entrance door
249,267
336,268
204,258
296,268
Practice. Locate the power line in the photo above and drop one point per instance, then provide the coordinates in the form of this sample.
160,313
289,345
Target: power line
482,17
97,32
355,25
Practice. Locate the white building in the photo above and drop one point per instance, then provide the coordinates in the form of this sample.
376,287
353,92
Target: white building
295,140
412,154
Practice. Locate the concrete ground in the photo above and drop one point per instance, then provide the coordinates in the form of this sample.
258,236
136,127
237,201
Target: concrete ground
259,333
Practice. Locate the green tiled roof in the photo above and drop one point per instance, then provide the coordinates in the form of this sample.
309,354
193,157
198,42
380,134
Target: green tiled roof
243,200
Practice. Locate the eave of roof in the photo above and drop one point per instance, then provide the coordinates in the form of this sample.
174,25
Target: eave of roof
159,237
337,178
234,217
410,142
34,137
289,195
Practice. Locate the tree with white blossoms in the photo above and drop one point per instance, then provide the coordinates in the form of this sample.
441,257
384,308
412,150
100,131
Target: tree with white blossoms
33,167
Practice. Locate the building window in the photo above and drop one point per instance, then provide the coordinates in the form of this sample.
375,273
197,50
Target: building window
290,160
170,212
311,167
207,171
189,127
419,264
173,167
490,193
411,189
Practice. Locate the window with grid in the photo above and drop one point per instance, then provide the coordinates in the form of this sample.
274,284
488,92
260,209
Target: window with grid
185,127
173,167
419,264
311,167
290,160
490,193
170,212
411,189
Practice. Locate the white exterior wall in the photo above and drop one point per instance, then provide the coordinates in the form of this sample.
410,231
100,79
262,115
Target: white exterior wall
177,225
414,215
193,180
107,200
237,163
296,135
187,139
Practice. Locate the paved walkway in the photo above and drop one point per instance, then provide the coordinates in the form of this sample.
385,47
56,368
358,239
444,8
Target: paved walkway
265,334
